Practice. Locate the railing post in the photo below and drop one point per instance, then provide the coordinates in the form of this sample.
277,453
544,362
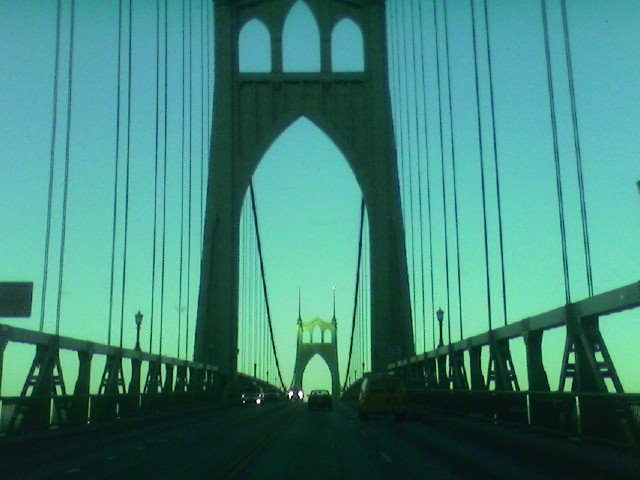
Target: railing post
134,384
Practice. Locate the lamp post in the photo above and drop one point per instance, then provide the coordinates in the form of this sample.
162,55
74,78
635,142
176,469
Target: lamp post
440,315
138,324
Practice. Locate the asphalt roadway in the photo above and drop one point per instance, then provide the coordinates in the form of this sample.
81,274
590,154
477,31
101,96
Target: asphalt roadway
285,441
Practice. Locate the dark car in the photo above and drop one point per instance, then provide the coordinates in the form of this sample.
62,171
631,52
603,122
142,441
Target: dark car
272,395
320,399
252,395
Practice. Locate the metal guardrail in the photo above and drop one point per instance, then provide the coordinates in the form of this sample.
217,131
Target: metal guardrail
613,418
77,410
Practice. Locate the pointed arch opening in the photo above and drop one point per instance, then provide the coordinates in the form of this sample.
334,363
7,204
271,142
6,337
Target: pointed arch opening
316,375
254,48
300,40
347,47
308,202
328,336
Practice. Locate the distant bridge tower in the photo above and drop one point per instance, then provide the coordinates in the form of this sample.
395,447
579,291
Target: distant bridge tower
327,350
251,111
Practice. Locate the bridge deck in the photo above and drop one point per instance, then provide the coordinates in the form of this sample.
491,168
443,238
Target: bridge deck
287,441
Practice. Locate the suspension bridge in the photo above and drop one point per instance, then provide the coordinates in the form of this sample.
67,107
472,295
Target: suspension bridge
161,242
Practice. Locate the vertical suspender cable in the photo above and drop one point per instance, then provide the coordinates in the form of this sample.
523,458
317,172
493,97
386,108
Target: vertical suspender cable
264,282
576,143
190,178
444,189
417,131
116,171
410,168
155,176
182,173
202,125
56,69
66,164
454,175
164,170
428,178
496,164
556,154
481,157
127,168
355,300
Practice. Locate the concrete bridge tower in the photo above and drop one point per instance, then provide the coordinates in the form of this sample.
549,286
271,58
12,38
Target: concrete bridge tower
251,111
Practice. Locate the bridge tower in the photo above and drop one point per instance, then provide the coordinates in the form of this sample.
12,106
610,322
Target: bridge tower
251,111
327,350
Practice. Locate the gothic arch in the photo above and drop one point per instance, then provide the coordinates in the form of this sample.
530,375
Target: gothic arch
327,351
254,54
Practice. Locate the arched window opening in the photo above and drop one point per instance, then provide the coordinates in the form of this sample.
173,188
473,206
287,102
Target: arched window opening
327,336
347,47
317,335
254,48
300,40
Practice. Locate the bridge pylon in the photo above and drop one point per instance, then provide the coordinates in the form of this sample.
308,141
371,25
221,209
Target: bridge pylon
327,350
251,111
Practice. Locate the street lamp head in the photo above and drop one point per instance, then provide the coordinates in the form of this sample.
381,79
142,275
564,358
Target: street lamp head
138,318
440,315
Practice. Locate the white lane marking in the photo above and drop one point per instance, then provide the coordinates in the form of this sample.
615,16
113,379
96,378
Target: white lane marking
112,457
73,470
362,433
386,457
141,448
163,440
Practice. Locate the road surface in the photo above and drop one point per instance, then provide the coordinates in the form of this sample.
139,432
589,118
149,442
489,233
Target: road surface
284,441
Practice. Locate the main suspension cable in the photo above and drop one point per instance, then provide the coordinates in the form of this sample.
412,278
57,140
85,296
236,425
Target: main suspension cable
355,300
556,154
67,159
264,282
56,74
576,143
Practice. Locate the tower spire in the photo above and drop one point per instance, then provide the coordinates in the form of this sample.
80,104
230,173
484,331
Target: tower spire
334,302
299,306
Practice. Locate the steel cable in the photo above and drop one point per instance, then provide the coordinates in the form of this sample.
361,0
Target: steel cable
67,159
56,69
576,143
116,174
496,164
481,157
556,154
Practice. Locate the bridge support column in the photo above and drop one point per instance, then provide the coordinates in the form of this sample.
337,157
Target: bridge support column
475,365
79,410
501,369
3,344
443,380
154,378
181,379
585,341
432,378
536,374
134,384
457,370
168,379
